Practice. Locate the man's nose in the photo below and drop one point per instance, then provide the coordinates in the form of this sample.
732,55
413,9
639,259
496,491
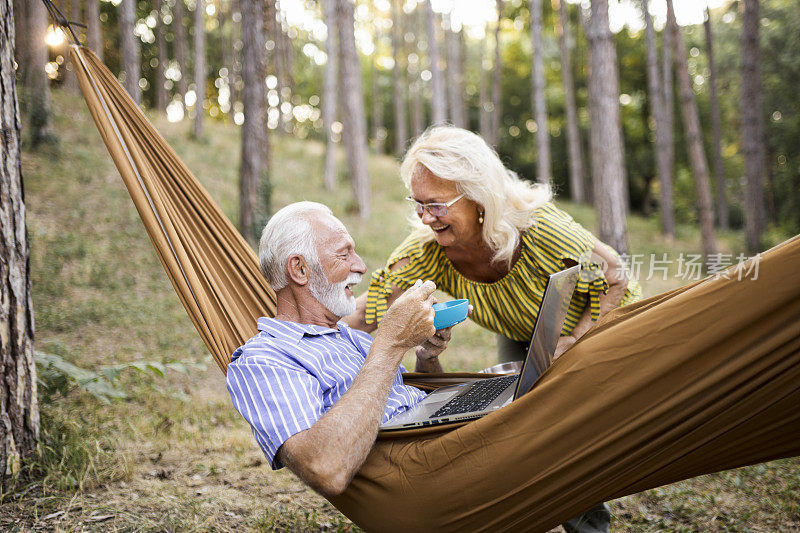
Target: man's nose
359,265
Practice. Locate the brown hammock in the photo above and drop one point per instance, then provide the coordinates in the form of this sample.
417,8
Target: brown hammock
696,380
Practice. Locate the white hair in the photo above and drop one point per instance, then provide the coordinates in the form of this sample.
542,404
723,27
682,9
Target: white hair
463,157
287,233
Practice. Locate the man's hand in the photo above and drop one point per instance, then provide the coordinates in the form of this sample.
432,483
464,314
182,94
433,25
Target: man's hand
409,321
564,343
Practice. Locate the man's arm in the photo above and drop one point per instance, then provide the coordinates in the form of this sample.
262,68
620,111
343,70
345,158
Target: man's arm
328,455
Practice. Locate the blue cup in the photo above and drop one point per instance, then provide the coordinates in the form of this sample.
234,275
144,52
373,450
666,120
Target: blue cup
450,313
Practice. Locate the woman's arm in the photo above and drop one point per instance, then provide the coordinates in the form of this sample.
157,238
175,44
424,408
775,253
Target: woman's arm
614,272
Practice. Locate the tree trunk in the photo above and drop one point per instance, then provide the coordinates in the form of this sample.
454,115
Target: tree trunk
668,102
94,29
19,408
129,49
39,113
287,52
70,79
234,55
538,104
400,124
608,164
716,125
378,131
752,128
655,95
254,130
694,139
199,66
22,47
497,103
161,44
575,153
355,125
280,57
455,76
438,98
179,29
329,94
227,43
484,113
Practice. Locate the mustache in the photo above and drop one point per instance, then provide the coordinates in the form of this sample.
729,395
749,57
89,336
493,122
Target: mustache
353,279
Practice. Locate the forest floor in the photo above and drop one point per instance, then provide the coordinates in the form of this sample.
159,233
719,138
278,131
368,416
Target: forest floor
174,455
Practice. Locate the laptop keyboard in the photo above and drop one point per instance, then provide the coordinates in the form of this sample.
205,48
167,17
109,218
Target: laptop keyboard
477,398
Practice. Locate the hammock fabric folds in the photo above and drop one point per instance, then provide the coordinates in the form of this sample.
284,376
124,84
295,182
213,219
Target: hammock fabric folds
696,380
213,269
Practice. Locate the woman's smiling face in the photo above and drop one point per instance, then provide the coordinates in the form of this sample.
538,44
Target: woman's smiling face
460,226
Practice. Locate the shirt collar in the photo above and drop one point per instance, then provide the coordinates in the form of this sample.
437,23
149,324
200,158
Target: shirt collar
296,330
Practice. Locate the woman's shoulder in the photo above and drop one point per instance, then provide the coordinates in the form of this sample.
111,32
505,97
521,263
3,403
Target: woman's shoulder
416,249
555,232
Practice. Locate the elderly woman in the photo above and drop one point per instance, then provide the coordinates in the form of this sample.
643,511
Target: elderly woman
483,234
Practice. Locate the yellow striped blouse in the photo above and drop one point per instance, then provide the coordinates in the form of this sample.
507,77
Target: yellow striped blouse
508,306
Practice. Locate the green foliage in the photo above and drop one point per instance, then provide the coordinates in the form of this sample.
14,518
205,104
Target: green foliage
57,375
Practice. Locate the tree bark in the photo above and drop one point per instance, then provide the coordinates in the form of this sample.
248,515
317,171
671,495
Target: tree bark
179,29
574,150
39,111
129,49
497,103
94,29
254,130
19,408
400,120
752,128
538,103
716,126
608,164
455,76
200,75
662,153
694,139
355,125
438,97
329,94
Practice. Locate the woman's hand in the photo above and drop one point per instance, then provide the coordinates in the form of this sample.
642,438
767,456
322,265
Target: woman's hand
564,344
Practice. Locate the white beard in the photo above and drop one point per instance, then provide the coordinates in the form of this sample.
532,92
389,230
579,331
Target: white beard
332,295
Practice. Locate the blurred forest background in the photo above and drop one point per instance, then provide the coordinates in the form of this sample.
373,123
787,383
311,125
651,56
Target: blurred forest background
718,151
667,130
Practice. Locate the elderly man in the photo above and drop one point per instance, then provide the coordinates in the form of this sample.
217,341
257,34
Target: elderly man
314,390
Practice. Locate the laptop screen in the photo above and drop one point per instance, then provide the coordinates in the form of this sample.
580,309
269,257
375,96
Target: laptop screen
547,327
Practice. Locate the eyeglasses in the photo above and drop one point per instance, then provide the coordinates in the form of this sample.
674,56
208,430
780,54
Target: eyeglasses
436,209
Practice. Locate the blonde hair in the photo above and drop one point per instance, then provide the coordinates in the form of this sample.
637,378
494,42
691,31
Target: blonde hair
463,157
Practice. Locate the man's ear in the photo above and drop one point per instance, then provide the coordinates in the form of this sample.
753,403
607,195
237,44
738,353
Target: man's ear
298,270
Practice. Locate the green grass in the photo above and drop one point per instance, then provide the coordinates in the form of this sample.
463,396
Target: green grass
174,455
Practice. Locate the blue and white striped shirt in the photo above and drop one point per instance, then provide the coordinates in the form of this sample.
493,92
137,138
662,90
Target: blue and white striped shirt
288,375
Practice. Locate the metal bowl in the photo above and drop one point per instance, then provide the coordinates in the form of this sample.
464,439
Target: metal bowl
511,367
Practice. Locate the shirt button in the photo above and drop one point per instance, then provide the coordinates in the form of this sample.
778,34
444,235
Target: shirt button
338,335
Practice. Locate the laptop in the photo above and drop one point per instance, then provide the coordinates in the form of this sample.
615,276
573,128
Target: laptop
473,400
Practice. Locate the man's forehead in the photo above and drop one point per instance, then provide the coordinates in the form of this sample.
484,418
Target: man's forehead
330,229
